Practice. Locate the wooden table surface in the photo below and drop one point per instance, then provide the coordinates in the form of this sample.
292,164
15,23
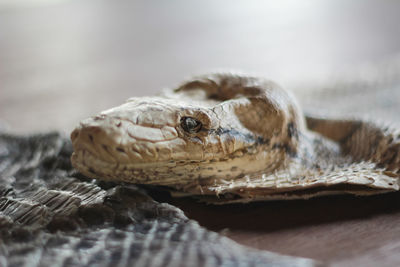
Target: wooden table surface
61,61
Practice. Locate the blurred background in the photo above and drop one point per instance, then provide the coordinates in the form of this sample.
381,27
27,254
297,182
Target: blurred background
63,60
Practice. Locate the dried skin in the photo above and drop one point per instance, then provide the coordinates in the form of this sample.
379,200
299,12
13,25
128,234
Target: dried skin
253,144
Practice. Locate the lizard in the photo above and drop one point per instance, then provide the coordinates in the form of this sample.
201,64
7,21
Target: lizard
227,138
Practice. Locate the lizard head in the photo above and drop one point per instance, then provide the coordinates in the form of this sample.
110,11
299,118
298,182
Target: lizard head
218,126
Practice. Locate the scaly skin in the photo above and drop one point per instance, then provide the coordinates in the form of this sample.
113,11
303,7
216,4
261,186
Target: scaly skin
238,137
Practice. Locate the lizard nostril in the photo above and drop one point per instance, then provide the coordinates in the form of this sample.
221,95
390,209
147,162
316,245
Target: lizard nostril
120,149
90,137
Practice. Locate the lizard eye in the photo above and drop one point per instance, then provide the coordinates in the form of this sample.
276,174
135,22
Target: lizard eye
190,125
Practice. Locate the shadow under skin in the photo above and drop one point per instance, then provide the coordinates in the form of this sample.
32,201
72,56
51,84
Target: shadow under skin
271,216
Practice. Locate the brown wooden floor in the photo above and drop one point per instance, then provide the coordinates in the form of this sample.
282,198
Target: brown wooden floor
61,61
342,230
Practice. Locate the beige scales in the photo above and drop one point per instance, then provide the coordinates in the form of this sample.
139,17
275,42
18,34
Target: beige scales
233,138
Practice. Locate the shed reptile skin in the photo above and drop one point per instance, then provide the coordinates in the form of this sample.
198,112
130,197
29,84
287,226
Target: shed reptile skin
235,138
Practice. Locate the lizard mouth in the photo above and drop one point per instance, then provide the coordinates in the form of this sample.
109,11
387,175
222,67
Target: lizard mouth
92,166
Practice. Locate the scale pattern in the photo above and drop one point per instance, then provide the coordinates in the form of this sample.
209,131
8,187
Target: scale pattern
251,142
